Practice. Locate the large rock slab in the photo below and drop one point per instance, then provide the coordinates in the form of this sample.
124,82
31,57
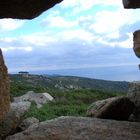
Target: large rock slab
24,9
80,128
4,89
136,41
118,108
134,96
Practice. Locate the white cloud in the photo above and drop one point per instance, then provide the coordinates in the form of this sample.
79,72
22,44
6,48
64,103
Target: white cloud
38,39
80,5
111,21
12,48
10,24
88,4
77,34
58,22
113,35
127,43
99,27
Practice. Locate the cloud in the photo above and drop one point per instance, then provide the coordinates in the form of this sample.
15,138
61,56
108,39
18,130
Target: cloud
78,35
10,24
75,35
103,25
89,4
27,49
58,22
111,21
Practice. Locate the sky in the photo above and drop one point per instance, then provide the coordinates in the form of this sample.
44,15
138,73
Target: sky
91,38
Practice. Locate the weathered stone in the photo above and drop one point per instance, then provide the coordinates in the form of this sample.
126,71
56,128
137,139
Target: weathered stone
4,89
134,96
13,119
118,108
24,9
20,107
80,128
131,3
27,123
136,41
39,98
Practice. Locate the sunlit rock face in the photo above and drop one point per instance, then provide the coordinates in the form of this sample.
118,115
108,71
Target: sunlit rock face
131,3
24,9
4,89
136,39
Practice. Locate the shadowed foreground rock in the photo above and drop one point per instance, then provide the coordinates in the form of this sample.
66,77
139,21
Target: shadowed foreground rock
80,128
118,108
4,89
25,9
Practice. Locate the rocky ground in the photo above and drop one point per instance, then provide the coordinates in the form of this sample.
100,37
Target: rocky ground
80,128
104,122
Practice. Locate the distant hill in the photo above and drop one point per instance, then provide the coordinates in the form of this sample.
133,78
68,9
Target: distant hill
65,83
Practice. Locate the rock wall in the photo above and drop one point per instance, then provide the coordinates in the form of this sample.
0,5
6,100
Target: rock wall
4,89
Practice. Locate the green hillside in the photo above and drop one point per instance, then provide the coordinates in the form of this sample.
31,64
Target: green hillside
65,83
72,95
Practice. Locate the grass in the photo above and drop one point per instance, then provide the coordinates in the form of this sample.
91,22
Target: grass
53,110
67,103
70,103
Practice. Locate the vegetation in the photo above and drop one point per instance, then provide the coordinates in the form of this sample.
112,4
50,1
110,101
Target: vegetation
68,102
72,103
64,83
